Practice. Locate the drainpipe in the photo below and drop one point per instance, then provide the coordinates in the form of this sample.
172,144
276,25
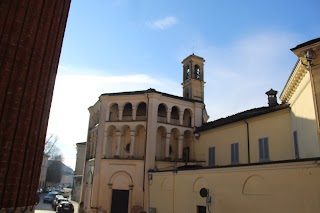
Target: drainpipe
248,141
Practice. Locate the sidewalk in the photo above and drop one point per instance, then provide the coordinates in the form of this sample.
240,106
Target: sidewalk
76,206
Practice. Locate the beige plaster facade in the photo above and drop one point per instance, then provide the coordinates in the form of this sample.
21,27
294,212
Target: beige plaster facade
155,152
282,187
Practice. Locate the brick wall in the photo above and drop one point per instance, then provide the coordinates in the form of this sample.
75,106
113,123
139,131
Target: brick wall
31,35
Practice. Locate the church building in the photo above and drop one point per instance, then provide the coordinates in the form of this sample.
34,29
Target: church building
132,133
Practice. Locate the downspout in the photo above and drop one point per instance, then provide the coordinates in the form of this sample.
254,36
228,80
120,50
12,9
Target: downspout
248,141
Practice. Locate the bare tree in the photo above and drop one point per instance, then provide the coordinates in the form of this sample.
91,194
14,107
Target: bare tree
54,172
51,149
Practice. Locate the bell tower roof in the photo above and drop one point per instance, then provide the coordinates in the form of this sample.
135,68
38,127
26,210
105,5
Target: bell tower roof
192,56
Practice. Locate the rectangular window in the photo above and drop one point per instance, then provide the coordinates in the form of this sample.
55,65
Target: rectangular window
263,150
295,144
211,156
235,153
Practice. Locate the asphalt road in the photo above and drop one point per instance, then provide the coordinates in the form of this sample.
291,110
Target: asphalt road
47,208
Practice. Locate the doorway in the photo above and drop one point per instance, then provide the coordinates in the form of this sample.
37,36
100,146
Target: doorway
120,200
201,209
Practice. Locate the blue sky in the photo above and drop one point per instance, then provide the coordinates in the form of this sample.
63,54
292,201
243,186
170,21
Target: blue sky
127,45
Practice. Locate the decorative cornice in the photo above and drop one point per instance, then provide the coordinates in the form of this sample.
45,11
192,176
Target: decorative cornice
298,73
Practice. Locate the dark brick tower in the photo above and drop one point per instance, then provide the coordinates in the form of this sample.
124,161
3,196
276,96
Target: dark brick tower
31,34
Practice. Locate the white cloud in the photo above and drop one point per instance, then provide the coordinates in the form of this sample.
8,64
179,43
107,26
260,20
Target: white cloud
164,23
75,93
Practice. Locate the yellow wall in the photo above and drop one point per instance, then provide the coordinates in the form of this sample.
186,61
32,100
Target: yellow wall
276,126
222,138
304,119
288,187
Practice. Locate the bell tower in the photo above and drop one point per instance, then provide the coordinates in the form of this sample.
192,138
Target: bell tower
193,83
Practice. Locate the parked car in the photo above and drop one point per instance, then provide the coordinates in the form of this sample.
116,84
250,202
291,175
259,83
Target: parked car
57,200
49,197
65,207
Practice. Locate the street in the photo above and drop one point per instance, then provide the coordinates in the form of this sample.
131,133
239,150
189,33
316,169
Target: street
47,208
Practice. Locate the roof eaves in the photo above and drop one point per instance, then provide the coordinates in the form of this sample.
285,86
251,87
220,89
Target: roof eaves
150,91
306,44
241,116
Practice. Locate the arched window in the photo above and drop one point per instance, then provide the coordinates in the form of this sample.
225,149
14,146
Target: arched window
127,112
187,117
162,113
141,111
161,143
114,113
175,116
197,71
187,72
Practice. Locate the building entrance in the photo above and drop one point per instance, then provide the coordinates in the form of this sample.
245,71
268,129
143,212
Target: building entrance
120,200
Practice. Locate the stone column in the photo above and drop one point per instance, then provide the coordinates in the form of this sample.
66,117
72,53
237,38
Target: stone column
109,145
181,118
30,45
132,143
104,145
118,144
152,109
134,113
167,156
169,115
192,120
120,112
180,147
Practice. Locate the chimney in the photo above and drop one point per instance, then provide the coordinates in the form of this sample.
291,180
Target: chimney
272,97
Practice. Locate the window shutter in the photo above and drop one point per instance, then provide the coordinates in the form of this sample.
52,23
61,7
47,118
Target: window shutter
211,156
260,149
266,149
237,153
232,153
